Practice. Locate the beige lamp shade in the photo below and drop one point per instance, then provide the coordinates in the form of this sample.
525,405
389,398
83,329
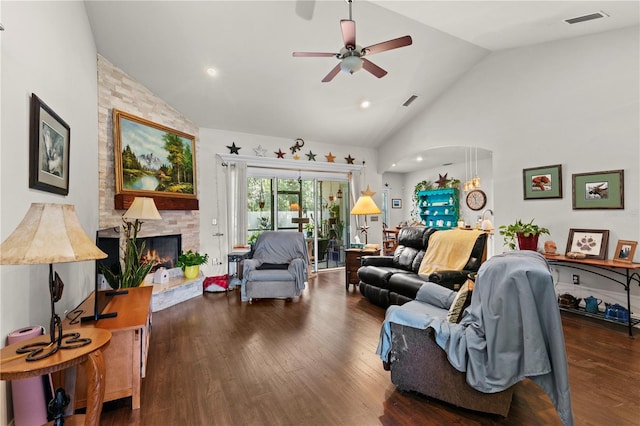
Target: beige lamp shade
365,204
142,208
49,233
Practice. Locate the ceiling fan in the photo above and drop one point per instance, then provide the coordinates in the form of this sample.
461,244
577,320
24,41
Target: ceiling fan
352,56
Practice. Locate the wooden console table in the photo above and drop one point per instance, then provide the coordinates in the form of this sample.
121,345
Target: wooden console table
631,273
14,367
126,356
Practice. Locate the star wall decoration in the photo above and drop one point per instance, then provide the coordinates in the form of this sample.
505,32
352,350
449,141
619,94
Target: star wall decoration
280,154
330,158
368,192
311,156
233,149
296,157
349,159
442,180
260,151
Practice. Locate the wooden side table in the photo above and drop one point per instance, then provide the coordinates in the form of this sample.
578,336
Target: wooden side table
353,261
14,367
126,356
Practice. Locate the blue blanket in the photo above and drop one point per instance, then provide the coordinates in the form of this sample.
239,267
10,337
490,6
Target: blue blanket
512,330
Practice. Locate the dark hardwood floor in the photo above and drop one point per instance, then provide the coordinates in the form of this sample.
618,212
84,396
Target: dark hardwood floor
216,361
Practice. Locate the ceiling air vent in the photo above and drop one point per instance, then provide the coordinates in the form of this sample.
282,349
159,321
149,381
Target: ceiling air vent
411,99
584,18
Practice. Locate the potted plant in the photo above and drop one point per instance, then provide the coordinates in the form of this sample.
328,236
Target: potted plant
526,235
135,268
309,228
190,262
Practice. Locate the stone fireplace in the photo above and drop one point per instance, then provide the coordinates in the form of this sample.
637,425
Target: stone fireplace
162,250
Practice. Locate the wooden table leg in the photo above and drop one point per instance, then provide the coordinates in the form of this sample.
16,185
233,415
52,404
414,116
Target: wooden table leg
95,370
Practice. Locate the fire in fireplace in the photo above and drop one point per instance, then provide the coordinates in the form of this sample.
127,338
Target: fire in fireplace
162,250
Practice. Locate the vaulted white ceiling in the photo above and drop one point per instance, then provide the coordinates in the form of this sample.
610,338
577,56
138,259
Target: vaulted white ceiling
260,88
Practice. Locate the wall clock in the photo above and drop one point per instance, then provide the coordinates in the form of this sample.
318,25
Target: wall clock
476,199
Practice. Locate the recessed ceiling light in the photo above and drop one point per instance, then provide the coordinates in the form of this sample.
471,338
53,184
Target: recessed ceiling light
365,104
212,72
418,158
393,165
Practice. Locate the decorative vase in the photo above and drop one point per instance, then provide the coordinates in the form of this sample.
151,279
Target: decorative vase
190,272
527,243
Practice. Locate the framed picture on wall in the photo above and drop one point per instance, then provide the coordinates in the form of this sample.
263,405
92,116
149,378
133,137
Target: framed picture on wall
591,242
396,203
542,182
49,143
152,160
598,190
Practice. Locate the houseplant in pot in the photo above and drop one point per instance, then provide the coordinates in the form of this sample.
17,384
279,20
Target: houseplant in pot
190,262
526,234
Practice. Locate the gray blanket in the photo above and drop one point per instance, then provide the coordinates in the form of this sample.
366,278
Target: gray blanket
280,247
511,330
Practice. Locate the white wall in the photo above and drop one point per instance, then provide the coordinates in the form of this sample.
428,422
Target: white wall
573,102
47,49
213,184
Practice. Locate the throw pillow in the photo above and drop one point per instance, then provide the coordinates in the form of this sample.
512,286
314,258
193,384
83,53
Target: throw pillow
460,303
273,266
436,295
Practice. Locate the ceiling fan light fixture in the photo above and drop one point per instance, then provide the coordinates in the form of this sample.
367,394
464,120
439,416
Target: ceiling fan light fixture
351,64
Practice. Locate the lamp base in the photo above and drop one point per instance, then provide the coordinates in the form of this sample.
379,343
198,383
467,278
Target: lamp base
58,340
66,341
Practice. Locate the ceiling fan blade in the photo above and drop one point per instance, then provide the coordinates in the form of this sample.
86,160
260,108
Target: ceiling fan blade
348,33
387,45
331,74
313,55
373,68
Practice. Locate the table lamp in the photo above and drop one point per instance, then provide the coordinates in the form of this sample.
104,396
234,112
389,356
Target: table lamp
50,233
365,206
142,208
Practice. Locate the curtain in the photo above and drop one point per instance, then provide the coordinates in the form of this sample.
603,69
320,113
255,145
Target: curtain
355,189
237,203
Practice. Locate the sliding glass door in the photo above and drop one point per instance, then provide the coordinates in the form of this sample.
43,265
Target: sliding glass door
318,208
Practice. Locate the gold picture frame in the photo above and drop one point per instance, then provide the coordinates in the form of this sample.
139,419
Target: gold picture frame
152,160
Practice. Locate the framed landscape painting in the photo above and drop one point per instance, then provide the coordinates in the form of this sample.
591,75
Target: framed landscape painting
542,182
49,143
152,160
598,190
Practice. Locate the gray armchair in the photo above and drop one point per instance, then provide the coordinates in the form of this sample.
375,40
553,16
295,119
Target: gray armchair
278,268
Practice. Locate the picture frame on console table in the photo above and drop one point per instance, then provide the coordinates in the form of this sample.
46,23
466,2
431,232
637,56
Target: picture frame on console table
152,160
49,144
542,182
625,250
598,190
591,242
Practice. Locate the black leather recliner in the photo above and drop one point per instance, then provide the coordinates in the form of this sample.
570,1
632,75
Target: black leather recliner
394,280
